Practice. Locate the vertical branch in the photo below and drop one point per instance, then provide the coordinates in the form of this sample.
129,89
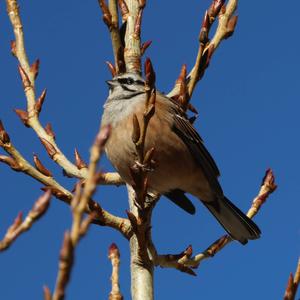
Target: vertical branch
114,31
111,19
79,225
141,275
114,256
132,51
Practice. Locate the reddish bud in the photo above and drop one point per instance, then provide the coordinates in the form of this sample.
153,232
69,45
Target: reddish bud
10,162
203,36
42,204
231,26
13,48
136,132
80,164
188,251
123,8
269,180
289,291
4,137
39,103
47,293
23,115
107,18
149,156
182,76
40,167
49,147
17,222
24,77
112,68
149,73
113,250
215,8
145,46
57,193
49,130
35,68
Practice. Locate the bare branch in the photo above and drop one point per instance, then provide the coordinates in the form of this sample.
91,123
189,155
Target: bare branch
114,256
90,184
226,26
132,51
66,260
47,293
268,186
28,74
293,283
18,163
110,18
19,226
79,225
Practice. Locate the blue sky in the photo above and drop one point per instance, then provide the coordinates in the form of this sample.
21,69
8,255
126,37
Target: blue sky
248,106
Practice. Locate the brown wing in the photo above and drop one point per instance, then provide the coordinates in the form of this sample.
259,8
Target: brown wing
185,130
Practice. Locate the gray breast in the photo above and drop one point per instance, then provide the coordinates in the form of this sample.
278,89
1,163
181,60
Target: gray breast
116,110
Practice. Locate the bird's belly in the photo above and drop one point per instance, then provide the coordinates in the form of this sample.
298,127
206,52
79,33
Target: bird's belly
174,167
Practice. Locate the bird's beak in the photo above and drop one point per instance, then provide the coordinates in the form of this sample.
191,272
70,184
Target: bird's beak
111,83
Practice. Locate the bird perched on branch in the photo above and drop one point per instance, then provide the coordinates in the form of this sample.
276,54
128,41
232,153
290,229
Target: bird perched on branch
183,163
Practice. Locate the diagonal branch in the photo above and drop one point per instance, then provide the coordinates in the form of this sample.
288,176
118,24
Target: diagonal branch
293,283
225,29
34,105
18,227
171,261
79,225
18,163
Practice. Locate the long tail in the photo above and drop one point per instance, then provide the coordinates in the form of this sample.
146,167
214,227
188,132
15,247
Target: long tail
234,221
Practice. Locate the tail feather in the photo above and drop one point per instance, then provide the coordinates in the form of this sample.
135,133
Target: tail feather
234,221
179,198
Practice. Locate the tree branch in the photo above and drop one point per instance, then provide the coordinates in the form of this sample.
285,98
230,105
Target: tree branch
225,29
174,261
18,163
132,51
31,117
79,225
293,283
18,227
114,256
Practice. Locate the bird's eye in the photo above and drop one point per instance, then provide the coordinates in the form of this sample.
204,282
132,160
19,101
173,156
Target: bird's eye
129,80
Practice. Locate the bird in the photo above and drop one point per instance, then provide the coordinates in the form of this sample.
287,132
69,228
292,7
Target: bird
183,164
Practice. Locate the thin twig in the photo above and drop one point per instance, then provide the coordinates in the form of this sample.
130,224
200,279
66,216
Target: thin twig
18,163
114,256
225,29
293,283
28,75
20,226
79,225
